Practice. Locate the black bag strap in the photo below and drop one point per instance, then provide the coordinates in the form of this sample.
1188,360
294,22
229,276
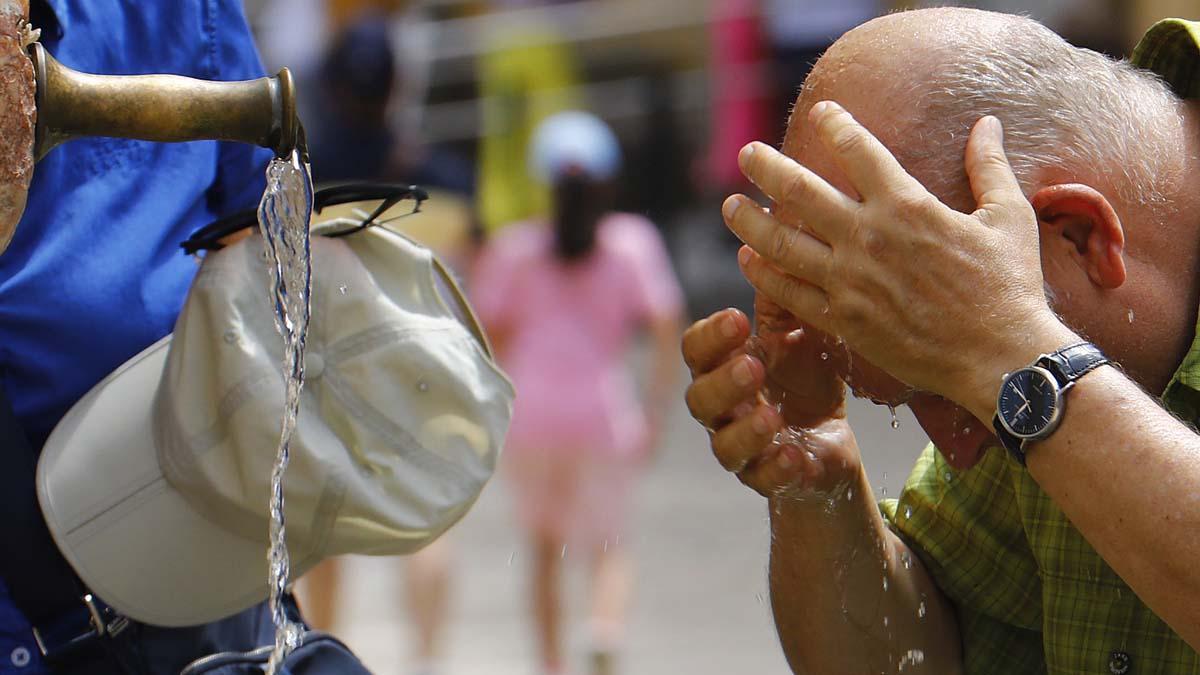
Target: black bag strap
41,583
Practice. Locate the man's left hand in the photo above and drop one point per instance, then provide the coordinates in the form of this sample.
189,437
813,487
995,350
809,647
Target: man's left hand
945,301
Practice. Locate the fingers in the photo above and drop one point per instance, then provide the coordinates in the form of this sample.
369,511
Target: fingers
869,165
993,183
803,300
790,248
820,206
709,341
783,470
713,396
743,440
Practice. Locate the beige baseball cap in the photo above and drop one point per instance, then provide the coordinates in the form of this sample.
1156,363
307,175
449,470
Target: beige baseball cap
156,484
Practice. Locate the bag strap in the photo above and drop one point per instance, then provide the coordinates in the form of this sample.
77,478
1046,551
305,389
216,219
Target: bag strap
65,618
39,580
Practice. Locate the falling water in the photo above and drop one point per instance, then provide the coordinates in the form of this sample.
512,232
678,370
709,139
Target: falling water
283,218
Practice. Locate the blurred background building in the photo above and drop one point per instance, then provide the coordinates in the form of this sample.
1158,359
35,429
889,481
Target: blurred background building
446,93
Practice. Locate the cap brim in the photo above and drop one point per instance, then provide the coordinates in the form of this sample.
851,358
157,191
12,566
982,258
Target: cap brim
133,539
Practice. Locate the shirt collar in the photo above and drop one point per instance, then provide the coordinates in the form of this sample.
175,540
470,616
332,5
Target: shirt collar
1171,48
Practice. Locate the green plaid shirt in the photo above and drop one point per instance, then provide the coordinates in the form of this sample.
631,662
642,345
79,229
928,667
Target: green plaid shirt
1031,595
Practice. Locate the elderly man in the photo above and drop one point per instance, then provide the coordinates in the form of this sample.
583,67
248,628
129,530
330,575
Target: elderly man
1079,562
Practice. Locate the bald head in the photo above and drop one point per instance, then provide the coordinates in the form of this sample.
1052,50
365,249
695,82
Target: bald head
921,79
1105,152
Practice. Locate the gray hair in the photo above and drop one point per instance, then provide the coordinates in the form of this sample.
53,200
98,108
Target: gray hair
1067,110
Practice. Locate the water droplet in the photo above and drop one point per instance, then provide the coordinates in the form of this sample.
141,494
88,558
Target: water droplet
824,356
885,622
883,491
563,553
1130,315
422,386
921,610
606,545
510,557
231,337
906,559
948,476
907,512
342,289
914,657
759,597
895,420
885,583
849,493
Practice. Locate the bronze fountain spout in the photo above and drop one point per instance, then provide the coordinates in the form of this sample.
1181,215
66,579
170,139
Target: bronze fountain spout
169,108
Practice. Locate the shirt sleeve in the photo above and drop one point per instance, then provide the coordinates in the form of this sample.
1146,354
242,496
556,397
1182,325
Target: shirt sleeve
241,167
966,528
492,280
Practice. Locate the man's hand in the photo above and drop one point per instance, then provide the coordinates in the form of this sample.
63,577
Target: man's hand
776,415
942,300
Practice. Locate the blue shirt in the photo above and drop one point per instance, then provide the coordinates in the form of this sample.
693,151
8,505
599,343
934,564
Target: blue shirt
94,273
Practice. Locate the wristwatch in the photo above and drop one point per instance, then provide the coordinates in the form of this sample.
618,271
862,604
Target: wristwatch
1030,404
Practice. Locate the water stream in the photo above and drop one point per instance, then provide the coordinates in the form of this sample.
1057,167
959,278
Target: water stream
283,217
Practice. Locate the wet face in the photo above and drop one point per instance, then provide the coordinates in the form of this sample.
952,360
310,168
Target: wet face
17,116
961,438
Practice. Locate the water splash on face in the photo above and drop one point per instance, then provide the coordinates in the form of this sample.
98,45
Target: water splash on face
283,217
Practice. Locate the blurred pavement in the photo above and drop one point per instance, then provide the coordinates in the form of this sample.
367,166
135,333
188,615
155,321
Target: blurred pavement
700,545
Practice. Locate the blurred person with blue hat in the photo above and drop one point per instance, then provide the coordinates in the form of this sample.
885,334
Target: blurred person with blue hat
563,296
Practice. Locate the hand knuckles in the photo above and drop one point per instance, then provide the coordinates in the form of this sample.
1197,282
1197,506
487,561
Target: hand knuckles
796,189
873,242
915,208
994,160
687,347
788,292
848,140
729,453
783,239
694,404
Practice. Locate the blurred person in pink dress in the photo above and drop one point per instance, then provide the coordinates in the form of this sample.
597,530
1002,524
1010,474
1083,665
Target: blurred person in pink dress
563,299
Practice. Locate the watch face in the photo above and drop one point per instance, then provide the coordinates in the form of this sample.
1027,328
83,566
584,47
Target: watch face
1029,402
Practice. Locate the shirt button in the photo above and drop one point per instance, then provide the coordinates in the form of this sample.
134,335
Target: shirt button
20,657
1119,662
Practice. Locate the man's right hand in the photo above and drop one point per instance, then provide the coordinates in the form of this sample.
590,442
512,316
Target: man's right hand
797,444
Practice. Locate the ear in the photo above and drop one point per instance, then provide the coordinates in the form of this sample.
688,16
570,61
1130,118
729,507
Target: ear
1078,221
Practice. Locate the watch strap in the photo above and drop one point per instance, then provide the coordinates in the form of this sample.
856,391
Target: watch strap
1011,443
1071,363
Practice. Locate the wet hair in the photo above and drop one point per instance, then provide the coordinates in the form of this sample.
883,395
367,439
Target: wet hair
1064,109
